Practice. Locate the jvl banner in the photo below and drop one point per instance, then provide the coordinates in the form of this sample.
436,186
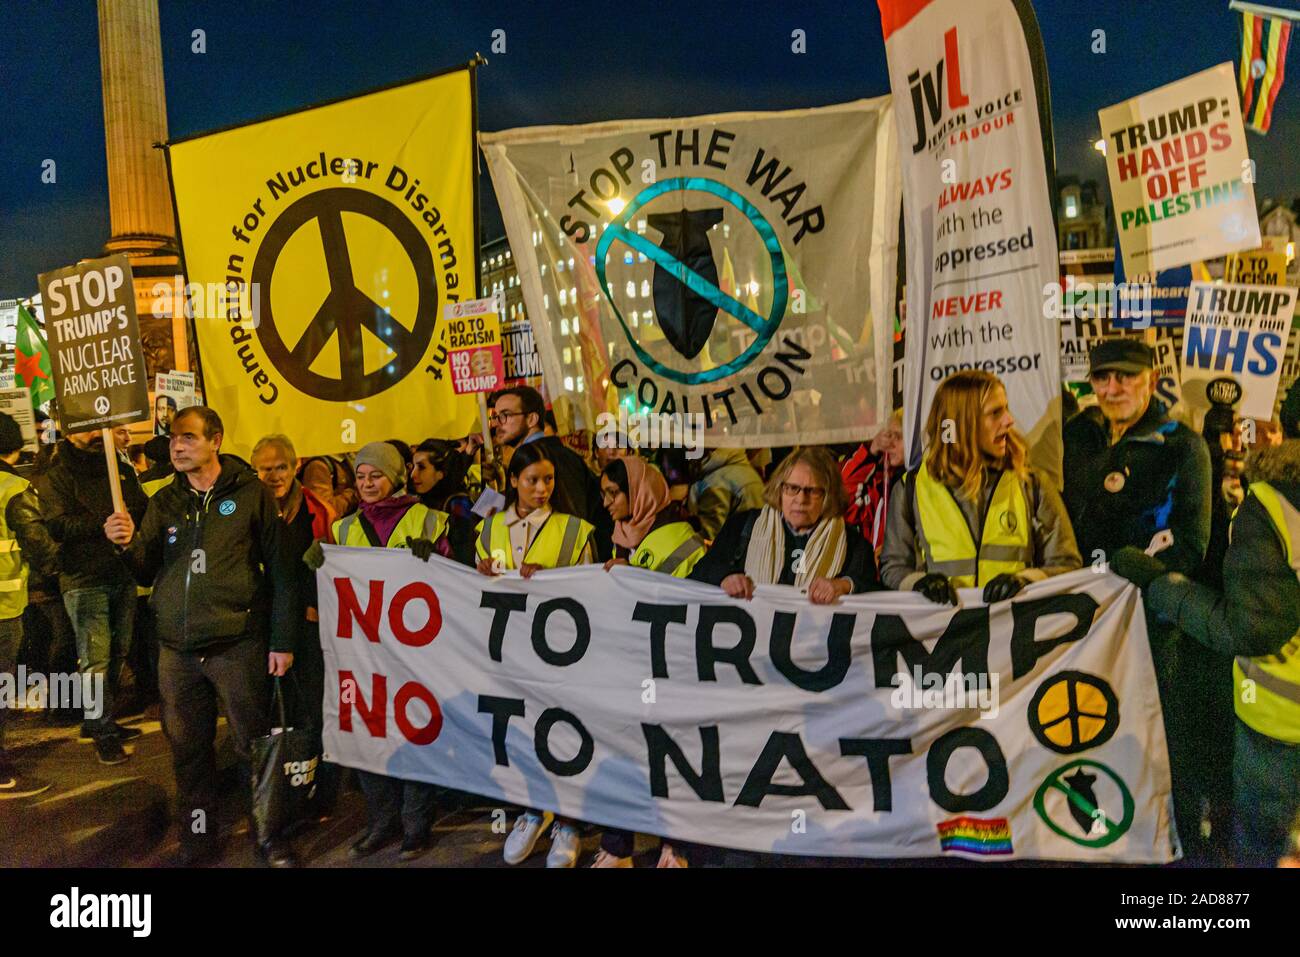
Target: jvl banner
736,267
981,241
1180,176
882,726
335,236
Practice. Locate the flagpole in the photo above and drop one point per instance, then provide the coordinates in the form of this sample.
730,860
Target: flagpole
1244,7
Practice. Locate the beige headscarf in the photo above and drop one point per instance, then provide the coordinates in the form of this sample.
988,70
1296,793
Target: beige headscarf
647,495
823,556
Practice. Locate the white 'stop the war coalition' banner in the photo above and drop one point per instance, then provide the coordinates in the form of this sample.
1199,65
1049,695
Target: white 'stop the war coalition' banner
980,237
738,268
635,700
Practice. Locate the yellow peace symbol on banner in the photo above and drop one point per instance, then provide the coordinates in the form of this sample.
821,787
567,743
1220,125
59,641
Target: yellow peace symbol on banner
1073,711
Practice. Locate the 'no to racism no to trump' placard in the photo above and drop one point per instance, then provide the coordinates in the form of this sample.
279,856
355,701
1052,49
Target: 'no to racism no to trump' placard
474,345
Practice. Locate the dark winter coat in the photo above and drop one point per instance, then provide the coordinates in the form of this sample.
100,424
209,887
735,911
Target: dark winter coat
726,556
1258,611
1160,475
75,503
219,562
23,516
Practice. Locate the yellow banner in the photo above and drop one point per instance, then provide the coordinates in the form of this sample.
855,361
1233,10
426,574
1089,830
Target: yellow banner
320,248
1265,266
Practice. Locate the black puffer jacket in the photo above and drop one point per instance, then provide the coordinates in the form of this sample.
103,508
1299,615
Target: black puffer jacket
1259,609
219,563
75,503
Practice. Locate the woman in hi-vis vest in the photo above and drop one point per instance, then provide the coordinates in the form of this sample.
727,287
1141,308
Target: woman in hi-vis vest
534,532
974,514
389,517
650,532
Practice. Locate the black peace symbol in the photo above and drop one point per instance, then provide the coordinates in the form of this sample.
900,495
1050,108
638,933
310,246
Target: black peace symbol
346,309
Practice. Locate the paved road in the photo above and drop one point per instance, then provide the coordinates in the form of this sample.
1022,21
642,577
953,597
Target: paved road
119,816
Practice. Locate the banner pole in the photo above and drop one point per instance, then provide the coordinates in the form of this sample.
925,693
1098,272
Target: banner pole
483,424
114,480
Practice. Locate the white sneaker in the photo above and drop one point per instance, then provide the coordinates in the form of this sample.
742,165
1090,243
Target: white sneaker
564,846
521,841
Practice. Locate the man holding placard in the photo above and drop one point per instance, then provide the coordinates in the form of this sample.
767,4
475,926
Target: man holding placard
98,589
99,380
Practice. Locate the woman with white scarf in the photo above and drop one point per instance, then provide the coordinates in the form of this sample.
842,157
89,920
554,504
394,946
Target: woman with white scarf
797,538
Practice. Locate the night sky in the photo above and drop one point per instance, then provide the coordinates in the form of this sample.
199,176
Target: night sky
570,62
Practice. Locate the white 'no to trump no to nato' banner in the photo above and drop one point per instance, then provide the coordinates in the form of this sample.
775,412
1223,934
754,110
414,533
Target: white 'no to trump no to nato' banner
636,700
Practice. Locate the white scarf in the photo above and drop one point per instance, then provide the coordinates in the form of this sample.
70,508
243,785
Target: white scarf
823,555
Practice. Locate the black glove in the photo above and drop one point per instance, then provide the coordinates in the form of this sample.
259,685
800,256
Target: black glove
421,548
1001,587
938,588
1137,566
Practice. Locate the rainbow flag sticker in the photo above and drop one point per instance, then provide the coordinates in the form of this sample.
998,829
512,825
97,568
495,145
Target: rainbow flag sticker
975,835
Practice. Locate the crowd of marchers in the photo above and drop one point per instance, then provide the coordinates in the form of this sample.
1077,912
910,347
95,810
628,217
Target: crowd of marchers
181,586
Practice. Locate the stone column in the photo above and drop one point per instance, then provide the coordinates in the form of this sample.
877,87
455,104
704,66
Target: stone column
140,206
135,117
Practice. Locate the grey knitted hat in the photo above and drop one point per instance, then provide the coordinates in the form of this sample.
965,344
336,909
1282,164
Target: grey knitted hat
382,456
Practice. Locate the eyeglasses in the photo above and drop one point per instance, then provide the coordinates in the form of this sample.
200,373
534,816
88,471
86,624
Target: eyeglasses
794,491
502,416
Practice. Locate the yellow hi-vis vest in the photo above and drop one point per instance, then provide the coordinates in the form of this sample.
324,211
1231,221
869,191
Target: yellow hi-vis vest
13,570
420,521
154,486
558,543
672,549
1274,679
946,541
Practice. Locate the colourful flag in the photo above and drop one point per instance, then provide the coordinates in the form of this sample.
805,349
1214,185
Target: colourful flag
32,359
1264,40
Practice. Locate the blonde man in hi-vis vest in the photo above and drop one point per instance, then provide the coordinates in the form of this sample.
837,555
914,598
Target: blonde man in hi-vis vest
974,514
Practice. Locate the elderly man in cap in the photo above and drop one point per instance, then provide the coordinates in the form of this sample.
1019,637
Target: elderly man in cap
1131,473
